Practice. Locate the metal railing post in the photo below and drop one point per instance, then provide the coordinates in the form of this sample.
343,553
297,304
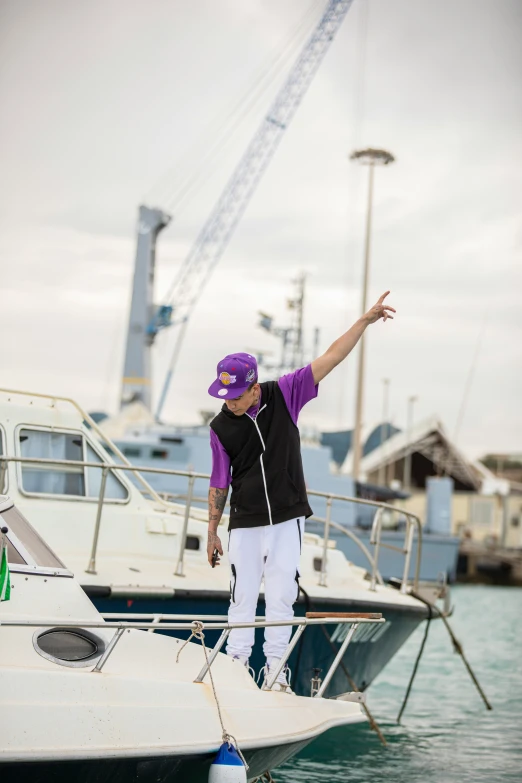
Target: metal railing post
375,539
275,674
322,577
407,555
335,663
91,568
219,644
110,647
183,540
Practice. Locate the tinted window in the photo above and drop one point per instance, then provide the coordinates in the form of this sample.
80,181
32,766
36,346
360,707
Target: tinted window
29,538
59,480
159,453
67,645
131,451
13,555
76,480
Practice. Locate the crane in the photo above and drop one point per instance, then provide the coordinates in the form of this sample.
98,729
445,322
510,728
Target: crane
217,231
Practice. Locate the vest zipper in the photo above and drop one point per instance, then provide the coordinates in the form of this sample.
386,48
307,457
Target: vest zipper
261,461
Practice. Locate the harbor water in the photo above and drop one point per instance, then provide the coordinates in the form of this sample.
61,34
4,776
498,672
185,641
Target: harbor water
446,735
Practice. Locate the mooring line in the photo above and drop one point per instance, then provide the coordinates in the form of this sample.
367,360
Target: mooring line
416,666
456,645
373,723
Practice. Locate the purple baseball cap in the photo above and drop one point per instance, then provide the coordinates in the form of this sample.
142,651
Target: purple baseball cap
235,373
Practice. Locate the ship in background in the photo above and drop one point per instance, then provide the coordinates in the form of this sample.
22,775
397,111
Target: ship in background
326,458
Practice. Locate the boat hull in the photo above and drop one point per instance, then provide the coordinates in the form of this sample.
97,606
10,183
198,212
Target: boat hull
146,769
368,653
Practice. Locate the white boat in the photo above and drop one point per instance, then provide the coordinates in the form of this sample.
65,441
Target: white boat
132,551
83,699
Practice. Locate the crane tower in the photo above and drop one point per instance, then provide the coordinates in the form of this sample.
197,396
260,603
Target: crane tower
216,233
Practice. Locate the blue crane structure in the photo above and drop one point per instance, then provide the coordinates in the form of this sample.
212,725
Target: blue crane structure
146,320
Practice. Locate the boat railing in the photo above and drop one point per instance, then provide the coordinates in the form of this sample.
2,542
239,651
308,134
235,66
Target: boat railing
413,522
198,626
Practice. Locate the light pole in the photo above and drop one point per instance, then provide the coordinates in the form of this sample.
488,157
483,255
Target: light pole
370,158
407,458
385,396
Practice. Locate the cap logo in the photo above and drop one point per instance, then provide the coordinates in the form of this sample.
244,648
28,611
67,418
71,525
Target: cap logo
222,392
250,376
227,379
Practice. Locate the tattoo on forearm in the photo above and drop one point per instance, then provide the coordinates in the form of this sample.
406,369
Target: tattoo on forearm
217,499
220,499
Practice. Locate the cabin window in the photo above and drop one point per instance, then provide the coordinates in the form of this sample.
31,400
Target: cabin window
71,479
48,479
132,451
193,543
13,555
32,547
159,453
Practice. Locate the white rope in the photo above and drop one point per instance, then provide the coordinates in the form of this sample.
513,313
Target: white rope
197,632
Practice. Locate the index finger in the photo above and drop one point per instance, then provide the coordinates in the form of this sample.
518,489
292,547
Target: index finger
383,297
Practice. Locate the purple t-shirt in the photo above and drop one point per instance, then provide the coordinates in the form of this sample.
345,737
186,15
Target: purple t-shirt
297,387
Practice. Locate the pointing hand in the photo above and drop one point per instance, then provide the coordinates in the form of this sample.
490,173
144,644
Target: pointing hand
379,310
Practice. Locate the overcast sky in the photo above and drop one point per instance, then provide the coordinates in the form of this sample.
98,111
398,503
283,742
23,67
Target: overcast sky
106,103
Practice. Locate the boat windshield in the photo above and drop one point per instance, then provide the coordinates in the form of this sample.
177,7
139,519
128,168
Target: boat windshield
24,545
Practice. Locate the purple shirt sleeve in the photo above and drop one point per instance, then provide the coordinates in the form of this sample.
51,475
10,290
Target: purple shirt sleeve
220,476
298,388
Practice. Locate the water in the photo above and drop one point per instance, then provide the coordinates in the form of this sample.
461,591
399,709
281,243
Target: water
446,734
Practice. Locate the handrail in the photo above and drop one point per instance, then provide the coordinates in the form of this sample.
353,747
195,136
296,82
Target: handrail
376,532
375,538
58,622
364,549
353,618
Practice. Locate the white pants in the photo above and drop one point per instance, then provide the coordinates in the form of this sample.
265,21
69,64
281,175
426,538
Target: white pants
273,551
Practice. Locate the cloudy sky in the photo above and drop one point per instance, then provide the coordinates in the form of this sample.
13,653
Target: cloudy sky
105,104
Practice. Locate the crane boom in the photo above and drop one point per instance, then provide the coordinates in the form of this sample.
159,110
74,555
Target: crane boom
216,233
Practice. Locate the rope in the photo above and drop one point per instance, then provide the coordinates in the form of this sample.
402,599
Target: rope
266,776
456,646
414,672
197,632
373,723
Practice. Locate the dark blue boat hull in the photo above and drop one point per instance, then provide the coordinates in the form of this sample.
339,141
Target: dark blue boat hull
367,655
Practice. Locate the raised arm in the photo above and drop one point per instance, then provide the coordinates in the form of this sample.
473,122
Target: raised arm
340,349
217,499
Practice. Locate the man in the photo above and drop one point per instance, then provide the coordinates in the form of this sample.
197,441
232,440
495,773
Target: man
256,449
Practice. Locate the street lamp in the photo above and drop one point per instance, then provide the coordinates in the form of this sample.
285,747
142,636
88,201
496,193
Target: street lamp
371,158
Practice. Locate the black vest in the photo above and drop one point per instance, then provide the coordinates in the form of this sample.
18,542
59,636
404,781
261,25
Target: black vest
268,483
